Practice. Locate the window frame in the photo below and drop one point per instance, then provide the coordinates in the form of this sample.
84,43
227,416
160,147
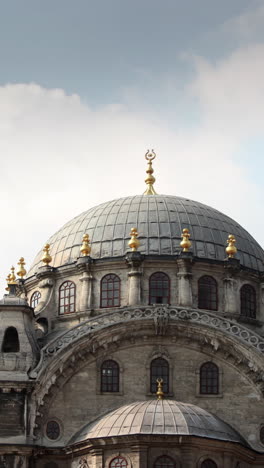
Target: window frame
164,456
151,378
245,302
33,300
116,458
208,460
201,300
107,290
111,384
165,277
69,296
217,386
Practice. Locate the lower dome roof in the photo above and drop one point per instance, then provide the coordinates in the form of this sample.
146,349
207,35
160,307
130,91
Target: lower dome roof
159,220
159,417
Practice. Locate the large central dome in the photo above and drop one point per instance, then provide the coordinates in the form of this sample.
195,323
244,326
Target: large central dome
159,220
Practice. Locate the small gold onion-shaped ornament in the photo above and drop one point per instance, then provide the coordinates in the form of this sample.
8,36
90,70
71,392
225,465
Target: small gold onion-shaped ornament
134,242
185,243
85,248
12,276
46,258
21,270
8,281
160,393
231,249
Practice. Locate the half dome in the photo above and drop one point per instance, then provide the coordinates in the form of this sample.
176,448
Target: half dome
159,417
159,220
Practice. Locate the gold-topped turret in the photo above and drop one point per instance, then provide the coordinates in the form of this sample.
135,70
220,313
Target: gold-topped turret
134,242
231,249
12,276
21,270
160,393
46,258
150,179
185,243
85,248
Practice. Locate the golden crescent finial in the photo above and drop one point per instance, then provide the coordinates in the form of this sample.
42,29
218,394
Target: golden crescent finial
150,179
160,393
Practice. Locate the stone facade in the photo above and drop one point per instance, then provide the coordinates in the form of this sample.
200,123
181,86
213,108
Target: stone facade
51,385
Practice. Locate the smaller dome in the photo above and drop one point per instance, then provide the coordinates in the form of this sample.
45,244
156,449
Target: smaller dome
159,417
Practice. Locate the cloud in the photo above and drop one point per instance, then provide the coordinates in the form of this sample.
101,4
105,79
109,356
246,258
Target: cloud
60,157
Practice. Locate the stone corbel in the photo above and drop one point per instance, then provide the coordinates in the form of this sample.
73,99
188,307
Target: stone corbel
134,261
230,297
185,279
46,290
86,298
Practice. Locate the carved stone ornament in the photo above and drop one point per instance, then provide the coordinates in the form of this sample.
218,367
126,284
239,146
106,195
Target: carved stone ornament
83,463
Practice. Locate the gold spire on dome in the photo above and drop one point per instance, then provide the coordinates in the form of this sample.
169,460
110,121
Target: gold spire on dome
134,242
231,249
150,179
159,392
185,243
12,276
21,270
85,248
46,258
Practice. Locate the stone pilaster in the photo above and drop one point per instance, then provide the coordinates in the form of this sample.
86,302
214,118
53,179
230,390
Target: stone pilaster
86,298
45,275
231,302
184,275
134,261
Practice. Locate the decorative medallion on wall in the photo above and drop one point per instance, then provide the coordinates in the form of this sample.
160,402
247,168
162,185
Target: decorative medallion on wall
53,430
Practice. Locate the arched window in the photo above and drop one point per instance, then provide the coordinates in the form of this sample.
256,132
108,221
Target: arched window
159,369
35,299
67,298
208,464
207,293
118,462
164,462
159,288
110,291
10,341
209,379
110,376
248,301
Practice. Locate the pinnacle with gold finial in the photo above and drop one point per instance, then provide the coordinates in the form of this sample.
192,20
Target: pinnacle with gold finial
46,258
160,393
21,270
134,242
12,276
85,248
185,243
231,249
150,179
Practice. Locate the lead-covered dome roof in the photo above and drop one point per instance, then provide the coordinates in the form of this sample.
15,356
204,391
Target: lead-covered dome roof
159,417
159,220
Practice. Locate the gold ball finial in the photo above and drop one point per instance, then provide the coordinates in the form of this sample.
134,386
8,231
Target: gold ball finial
150,179
85,248
21,270
46,258
134,242
185,243
12,276
160,393
231,249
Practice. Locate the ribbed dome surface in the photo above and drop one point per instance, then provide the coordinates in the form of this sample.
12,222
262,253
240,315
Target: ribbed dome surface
159,220
160,417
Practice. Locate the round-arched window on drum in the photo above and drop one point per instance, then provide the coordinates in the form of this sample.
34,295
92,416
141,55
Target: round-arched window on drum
164,462
159,288
209,379
207,293
110,291
35,298
67,293
109,376
118,462
248,301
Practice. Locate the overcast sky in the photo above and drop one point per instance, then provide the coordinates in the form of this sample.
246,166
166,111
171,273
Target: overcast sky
86,87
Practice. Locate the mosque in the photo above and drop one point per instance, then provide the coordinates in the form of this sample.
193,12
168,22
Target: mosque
136,340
